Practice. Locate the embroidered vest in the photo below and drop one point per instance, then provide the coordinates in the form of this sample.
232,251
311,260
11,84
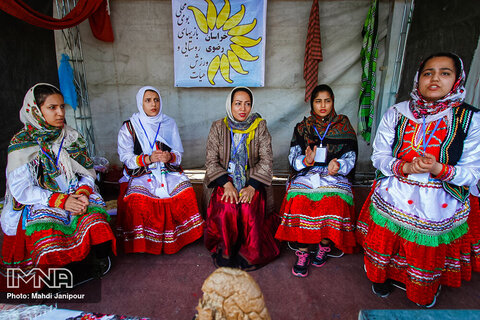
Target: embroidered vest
451,148
137,150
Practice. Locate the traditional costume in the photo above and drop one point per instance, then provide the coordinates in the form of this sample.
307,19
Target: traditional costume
418,229
45,165
318,205
158,209
241,233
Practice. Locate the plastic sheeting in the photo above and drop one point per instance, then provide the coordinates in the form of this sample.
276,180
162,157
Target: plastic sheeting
472,87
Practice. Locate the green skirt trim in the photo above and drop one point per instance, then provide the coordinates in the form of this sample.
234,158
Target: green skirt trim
418,238
66,229
315,196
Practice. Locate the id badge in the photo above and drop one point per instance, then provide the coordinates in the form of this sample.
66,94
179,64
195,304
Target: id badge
321,154
62,183
231,167
419,177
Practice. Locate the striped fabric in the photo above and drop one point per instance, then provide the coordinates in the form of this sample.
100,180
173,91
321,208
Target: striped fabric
313,51
368,55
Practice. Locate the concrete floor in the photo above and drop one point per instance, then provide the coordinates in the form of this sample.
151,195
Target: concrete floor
169,287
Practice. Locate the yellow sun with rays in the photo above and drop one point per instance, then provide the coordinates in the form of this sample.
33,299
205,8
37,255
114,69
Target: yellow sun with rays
231,25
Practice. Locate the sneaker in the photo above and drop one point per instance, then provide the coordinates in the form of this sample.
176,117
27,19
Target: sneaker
335,252
398,284
321,256
104,264
294,247
100,267
431,304
382,290
300,268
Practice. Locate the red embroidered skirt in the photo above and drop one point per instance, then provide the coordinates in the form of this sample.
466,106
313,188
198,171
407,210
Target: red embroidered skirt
242,229
308,221
421,268
158,226
52,248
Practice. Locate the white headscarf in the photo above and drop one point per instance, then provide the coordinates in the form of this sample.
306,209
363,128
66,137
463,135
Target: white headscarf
146,127
228,106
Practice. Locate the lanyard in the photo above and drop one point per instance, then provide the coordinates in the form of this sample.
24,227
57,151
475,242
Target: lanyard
156,135
58,154
324,134
235,149
424,128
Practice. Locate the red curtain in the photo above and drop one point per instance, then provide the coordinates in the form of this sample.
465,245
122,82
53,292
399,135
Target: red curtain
95,10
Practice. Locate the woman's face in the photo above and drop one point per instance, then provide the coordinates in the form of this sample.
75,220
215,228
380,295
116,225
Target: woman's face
241,106
53,110
322,104
151,103
437,78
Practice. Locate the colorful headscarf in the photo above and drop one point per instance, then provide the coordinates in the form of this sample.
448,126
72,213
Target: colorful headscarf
340,138
239,150
40,141
420,107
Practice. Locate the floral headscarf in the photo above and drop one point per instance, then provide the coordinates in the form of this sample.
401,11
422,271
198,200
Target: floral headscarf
39,141
420,107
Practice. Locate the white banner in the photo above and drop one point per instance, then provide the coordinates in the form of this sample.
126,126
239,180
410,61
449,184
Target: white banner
219,43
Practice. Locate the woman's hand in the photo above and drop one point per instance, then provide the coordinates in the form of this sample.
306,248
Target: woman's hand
246,194
160,156
333,167
84,199
165,156
424,164
310,154
230,194
76,204
430,163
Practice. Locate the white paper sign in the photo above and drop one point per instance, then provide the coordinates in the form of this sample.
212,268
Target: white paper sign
219,43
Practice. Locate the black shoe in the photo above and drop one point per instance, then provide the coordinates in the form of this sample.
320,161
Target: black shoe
220,261
334,252
101,266
243,264
382,290
398,284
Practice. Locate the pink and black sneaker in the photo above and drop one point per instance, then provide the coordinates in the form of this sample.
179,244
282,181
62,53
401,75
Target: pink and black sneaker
321,257
300,268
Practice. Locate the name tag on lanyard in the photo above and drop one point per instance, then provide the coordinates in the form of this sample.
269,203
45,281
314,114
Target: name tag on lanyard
419,177
61,180
62,183
321,153
231,167
231,164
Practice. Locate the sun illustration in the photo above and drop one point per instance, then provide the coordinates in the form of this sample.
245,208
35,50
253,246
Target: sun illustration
226,27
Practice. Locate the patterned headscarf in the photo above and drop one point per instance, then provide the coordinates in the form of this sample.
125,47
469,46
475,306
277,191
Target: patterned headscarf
239,156
37,135
340,138
420,107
